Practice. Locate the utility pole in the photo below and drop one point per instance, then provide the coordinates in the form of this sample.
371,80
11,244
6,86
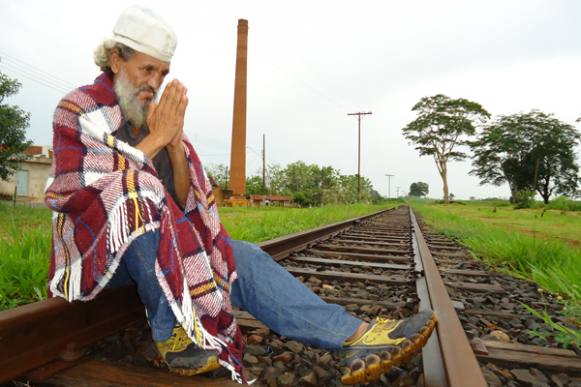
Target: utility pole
264,163
389,185
359,114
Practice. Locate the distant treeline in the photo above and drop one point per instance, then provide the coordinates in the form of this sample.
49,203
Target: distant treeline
306,184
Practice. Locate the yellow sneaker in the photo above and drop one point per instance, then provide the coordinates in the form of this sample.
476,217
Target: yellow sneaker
386,343
183,357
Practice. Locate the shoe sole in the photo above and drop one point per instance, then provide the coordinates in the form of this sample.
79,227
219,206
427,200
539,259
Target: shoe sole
211,365
373,366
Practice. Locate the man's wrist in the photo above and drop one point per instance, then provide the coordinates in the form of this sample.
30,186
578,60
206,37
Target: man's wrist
175,148
157,140
151,145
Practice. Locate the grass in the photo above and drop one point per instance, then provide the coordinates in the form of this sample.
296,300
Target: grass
536,251
259,225
24,266
520,242
25,235
24,218
539,223
564,204
563,334
561,203
25,247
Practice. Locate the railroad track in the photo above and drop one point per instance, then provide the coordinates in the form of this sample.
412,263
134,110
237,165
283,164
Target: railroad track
379,264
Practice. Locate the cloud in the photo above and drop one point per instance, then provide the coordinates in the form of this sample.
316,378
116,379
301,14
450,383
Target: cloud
311,63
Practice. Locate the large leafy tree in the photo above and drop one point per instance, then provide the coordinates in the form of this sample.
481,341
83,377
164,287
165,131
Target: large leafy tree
531,152
308,183
419,189
442,127
13,124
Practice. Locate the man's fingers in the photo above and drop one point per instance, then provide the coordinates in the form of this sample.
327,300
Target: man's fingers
171,108
169,101
177,96
167,96
184,102
182,106
181,113
151,110
151,119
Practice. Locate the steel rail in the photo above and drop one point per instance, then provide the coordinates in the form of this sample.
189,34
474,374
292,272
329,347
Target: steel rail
54,330
448,358
282,247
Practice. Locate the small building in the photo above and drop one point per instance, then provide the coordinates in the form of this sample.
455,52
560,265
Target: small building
29,179
270,200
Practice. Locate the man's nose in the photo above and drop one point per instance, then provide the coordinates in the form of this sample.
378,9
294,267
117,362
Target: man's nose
155,82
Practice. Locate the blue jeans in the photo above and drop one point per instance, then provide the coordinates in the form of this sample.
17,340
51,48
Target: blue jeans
263,288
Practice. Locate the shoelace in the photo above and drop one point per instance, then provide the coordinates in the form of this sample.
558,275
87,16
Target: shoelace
381,327
388,323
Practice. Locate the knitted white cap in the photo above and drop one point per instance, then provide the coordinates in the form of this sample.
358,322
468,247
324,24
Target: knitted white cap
145,31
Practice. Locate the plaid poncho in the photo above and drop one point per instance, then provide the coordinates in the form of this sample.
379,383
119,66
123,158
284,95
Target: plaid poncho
105,193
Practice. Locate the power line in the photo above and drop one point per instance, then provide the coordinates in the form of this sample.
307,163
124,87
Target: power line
35,70
257,153
33,78
23,69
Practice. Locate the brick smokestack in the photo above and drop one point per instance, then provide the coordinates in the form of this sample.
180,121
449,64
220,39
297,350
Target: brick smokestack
238,151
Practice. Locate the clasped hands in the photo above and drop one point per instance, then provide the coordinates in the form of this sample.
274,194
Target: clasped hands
165,119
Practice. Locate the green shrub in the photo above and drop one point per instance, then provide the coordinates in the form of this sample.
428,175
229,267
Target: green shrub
524,199
563,203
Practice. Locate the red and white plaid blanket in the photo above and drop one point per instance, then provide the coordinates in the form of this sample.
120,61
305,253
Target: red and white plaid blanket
104,193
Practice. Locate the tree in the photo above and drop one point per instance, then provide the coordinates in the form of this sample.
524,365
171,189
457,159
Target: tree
419,189
441,127
219,173
312,185
13,124
274,178
376,197
254,185
302,182
309,184
531,152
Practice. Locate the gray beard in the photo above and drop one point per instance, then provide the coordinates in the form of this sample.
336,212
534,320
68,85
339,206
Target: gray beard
133,109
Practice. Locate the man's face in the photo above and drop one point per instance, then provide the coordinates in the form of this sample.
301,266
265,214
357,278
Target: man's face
136,83
144,72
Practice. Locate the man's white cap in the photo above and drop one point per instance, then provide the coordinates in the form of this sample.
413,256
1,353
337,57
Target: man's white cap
145,31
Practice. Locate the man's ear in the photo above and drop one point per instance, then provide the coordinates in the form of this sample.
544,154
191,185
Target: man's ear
115,61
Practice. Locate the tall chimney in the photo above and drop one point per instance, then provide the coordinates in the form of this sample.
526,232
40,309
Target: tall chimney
238,151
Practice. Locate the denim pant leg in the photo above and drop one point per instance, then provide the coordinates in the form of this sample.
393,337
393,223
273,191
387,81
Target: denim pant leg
138,266
284,304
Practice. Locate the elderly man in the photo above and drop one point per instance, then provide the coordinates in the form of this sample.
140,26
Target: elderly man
132,204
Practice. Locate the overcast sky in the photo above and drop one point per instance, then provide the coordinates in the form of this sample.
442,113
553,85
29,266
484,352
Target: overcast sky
312,62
